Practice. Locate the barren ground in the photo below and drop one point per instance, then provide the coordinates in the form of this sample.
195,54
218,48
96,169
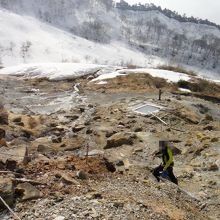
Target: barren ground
59,127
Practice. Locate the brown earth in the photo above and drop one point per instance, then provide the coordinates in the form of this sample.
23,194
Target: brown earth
78,187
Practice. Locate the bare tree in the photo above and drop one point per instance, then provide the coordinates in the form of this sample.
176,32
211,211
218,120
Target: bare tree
25,47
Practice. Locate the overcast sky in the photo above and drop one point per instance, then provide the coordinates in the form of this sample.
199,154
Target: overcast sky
209,9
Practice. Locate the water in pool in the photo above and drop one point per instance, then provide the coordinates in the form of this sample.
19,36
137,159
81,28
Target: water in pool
147,109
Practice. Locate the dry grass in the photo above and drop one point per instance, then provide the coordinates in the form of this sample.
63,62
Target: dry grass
201,86
177,69
140,82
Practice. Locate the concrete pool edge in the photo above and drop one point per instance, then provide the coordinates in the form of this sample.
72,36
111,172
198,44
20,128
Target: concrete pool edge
158,108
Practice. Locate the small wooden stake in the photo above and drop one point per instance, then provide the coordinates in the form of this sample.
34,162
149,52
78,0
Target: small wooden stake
160,93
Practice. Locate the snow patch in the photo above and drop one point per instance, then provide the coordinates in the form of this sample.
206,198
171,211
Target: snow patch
170,76
102,83
185,90
109,75
52,71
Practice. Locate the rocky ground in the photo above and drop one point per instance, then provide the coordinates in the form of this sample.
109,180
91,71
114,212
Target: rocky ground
67,154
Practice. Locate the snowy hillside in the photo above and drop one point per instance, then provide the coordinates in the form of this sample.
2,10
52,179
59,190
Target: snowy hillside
24,39
94,31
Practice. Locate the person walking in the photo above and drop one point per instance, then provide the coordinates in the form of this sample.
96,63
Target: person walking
165,169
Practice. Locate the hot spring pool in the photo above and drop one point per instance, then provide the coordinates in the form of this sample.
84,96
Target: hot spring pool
147,109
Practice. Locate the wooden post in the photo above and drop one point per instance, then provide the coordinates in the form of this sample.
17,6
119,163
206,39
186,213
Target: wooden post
87,153
160,93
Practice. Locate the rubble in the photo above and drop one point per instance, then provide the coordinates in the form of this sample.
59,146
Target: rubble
83,163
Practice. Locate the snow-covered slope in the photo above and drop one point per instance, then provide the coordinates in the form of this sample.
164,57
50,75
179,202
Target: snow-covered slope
53,71
94,31
63,71
24,39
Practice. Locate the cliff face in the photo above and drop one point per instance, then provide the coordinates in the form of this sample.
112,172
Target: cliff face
149,32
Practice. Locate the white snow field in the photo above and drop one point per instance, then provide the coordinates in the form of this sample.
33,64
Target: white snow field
62,71
52,71
24,39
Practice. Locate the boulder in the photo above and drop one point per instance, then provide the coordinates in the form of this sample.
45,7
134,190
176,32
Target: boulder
20,124
97,118
67,178
208,117
94,195
3,115
119,163
72,143
28,191
78,128
56,139
119,139
107,130
16,119
109,165
18,154
202,137
11,165
2,133
45,149
189,115
6,191
175,150
138,129
72,117
19,141
82,175
41,157
127,163
3,143
212,167
187,172
43,145
209,127
198,150
214,139
27,133
32,122
2,165
100,138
